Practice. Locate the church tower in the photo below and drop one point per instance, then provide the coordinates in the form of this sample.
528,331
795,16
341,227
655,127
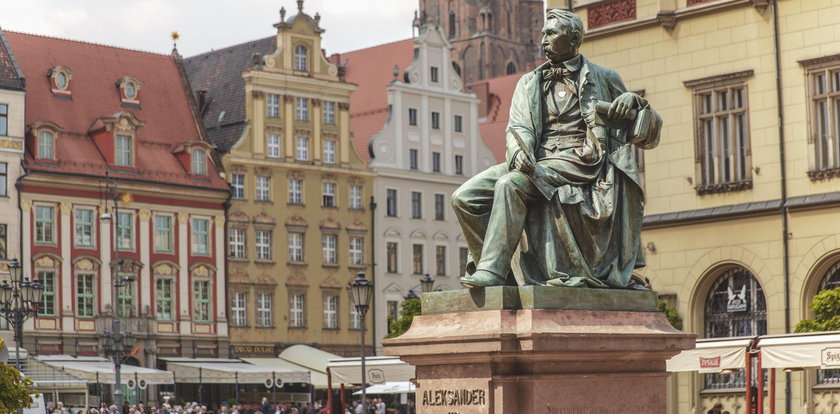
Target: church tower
489,38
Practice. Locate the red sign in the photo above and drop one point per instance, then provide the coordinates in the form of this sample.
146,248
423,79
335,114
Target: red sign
709,362
136,350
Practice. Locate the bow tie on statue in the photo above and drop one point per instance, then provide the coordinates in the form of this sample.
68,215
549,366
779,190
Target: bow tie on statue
553,74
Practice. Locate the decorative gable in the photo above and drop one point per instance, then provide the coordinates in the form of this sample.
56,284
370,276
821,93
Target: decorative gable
59,78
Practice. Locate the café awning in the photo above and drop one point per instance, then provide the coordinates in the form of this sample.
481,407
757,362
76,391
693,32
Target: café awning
398,387
317,379
379,370
811,350
96,369
712,355
234,372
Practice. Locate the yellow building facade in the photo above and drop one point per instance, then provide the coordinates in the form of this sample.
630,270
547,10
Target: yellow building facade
299,218
742,192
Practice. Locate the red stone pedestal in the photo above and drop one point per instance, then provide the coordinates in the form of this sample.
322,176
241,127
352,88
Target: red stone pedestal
559,361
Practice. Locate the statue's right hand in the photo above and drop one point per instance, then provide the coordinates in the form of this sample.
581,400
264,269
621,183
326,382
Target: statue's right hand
523,163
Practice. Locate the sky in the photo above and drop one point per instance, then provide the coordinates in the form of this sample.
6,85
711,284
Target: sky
205,25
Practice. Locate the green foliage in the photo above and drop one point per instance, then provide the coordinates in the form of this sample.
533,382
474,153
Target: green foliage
826,307
672,315
14,390
408,310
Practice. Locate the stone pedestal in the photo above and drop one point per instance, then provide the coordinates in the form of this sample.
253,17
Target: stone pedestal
536,349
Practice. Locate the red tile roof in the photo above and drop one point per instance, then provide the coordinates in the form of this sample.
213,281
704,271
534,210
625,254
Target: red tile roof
165,107
10,75
496,96
372,69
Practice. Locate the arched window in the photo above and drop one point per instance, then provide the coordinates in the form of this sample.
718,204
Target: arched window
831,280
735,306
46,145
511,68
199,162
300,59
452,24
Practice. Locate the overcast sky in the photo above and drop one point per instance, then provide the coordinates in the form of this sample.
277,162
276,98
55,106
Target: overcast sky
205,24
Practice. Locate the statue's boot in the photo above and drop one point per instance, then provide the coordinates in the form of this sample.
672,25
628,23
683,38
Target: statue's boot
482,278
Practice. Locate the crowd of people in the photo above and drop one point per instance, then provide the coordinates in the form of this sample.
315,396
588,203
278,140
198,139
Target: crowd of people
373,406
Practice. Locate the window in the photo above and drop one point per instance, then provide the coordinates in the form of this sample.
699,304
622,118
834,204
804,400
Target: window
84,295
263,245
46,145
296,312
357,251
328,190
4,253
356,197
440,260
416,205
295,247
164,297
44,224
126,299
264,305
130,90
47,307
236,243
4,119
459,123
391,202
824,114
239,309
302,109
412,116
199,162
439,203
459,165
273,106
412,159
831,280
83,227
200,236
163,233
417,259
4,179
355,318
452,20
393,309
263,188
125,231
124,156
722,134
328,245
391,252
300,58
735,306
463,258
434,74
330,312
201,300
237,186
273,146
435,162
295,191
435,120
302,150
329,112
511,69
329,151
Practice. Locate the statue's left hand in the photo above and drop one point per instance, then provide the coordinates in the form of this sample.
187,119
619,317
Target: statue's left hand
622,106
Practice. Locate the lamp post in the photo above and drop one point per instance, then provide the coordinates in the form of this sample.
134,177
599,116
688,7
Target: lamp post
411,295
18,302
116,343
427,284
362,291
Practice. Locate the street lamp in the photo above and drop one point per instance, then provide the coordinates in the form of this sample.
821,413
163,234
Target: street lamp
411,295
362,291
18,302
427,284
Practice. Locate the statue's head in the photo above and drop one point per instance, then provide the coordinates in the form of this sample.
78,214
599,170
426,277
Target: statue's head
562,35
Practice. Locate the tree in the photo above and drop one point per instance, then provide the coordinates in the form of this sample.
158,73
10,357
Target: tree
826,307
408,310
15,389
672,315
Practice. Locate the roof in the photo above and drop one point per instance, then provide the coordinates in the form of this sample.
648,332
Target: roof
219,72
496,94
11,76
372,69
165,108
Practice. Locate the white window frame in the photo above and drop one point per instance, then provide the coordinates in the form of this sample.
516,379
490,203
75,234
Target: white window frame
263,244
301,109
296,252
237,186
302,148
355,201
239,309
329,247
121,228
356,251
328,193
198,160
157,235
265,317
200,240
236,243
301,58
123,150
331,312
273,146
46,145
297,311
263,188
272,105
329,151
295,191
84,233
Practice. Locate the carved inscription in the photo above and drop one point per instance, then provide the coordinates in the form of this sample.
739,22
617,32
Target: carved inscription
435,398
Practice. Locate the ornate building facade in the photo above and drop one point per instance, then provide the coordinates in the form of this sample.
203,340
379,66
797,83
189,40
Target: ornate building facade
98,113
299,217
744,182
489,38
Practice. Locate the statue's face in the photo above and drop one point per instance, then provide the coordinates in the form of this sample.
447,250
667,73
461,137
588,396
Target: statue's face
557,42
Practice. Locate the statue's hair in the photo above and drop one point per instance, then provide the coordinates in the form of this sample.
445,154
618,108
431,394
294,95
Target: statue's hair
567,19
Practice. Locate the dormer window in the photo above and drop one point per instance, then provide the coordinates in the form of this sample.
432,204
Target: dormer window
124,151
59,78
46,145
300,59
129,88
199,162
42,140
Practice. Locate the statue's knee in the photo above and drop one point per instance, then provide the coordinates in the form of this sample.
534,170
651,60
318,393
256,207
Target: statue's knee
510,181
457,200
